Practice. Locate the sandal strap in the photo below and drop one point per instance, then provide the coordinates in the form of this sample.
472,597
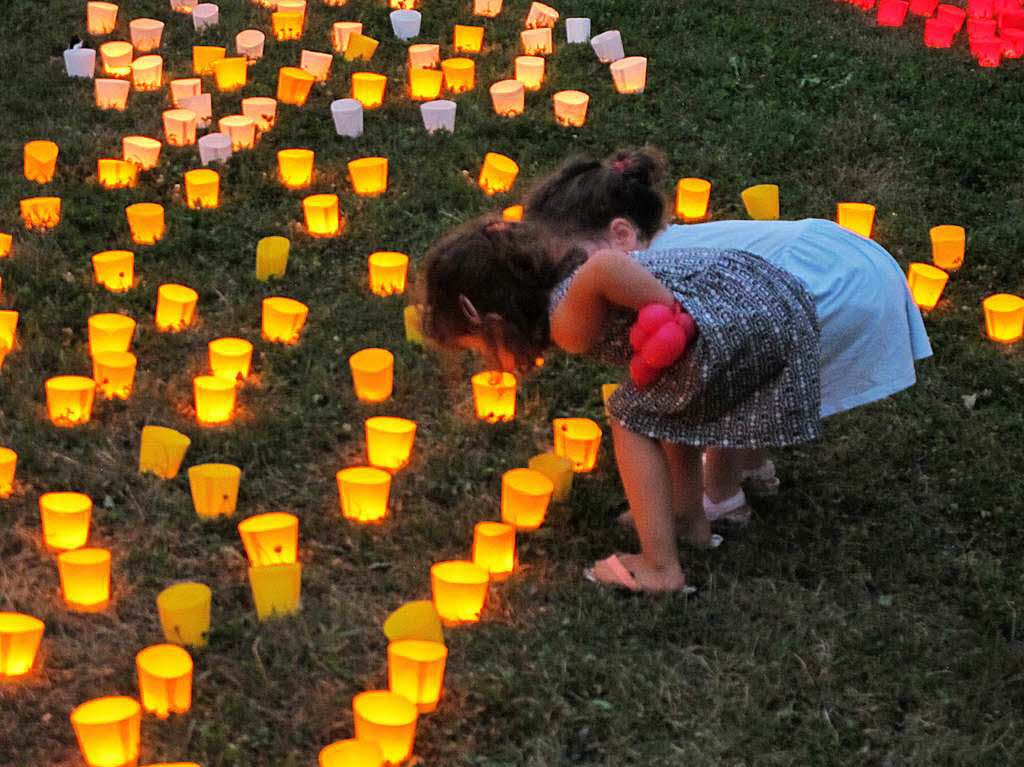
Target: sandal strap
715,510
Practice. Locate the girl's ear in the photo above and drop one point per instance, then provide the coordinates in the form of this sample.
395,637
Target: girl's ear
623,234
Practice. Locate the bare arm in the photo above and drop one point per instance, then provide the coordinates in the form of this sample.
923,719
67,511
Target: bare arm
609,277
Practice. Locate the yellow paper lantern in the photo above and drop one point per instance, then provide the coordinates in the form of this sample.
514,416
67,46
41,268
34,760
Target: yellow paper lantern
263,111
116,174
5,244
110,332
416,671
571,108
145,34
412,319
114,269
388,270
141,150
65,520
540,15
424,56
530,71
468,39
283,319
761,201
498,173
317,64
116,58
107,730
525,495
363,492
165,679
494,396
184,88
8,327
214,489
184,610
459,590
389,441
508,97
230,358
69,399
360,47
287,25
387,719
295,167
8,466
203,57
948,245
100,18
272,257
202,188
111,93
161,451
114,374
175,307
240,129
323,218
607,390
148,73
85,579
858,217
578,439
425,84
214,398
250,43
487,8
40,213
494,549
270,539
341,31
692,198
40,160
276,589
351,753
296,6
146,222
20,636
369,176
1004,317
368,88
230,73
459,74
926,283
372,374
629,74
414,620
180,127
537,42
293,85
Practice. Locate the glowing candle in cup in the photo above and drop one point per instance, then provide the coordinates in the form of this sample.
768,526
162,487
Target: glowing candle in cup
165,679
107,730
69,399
525,495
20,636
387,719
214,488
693,196
363,492
64,518
283,319
416,671
494,548
85,579
494,396
926,284
459,591
372,374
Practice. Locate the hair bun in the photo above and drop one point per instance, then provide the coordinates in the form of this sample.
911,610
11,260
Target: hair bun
644,166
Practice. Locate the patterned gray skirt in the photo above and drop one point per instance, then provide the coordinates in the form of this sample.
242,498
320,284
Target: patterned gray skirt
749,380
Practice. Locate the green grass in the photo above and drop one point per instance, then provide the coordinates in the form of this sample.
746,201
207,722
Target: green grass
869,616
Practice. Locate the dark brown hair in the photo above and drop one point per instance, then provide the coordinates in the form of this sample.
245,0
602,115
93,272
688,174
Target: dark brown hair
505,273
585,195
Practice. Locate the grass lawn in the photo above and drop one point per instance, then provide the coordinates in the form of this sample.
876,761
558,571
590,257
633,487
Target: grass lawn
870,615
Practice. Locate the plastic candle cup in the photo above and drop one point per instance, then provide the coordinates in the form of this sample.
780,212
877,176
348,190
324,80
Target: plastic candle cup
161,451
425,84
341,31
608,46
116,58
107,730
487,8
183,6
577,30
293,85
948,243
116,174
926,284
387,271
537,42
203,57
508,97
114,374
1004,317
183,88
146,222
351,753
530,71
372,374
858,217
202,188
8,466
323,219
387,719
629,74
276,589
283,319
363,492
230,74
145,34
438,115
360,47
184,610
65,520
114,269
165,679
40,160
607,390
287,25
141,150
414,620
214,488
570,108
525,495
293,6
20,636
988,51
891,13
100,18
111,93
317,64
412,319
953,15
468,39
270,539
692,198
215,399
459,591
494,549
498,173
405,23
938,33
494,396
148,73
295,167
110,332
558,469
424,56
249,43
368,88
369,176
69,399
205,16
180,127
459,74
578,439
240,129
85,579
512,213
389,441
40,213
416,671
175,307
230,358
540,15
80,62
923,7
761,201
272,257
5,244
263,111
347,116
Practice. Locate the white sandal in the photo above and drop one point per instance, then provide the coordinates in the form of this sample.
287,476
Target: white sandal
734,509
760,481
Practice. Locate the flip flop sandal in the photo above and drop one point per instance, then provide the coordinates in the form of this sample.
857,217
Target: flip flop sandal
761,482
734,509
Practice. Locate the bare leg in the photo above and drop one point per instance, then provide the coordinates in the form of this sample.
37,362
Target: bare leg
722,469
684,466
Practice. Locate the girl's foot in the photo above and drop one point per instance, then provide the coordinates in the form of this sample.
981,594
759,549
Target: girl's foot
733,509
631,572
761,481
